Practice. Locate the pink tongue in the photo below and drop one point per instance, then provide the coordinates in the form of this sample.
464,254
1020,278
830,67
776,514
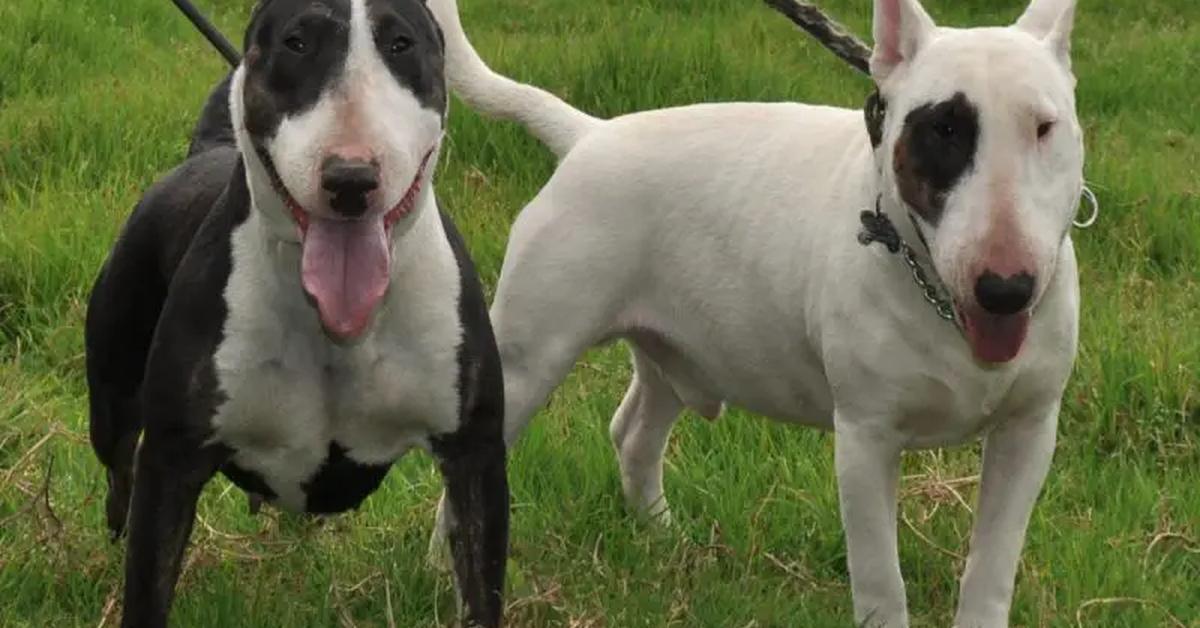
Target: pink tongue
994,338
345,270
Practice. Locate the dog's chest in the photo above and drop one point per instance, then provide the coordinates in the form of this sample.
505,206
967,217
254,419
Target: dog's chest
937,395
315,425
953,407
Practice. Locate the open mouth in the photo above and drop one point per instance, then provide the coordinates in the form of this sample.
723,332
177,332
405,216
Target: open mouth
994,338
345,263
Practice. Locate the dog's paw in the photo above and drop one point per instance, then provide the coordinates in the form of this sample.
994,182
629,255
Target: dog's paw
657,514
254,503
660,519
116,523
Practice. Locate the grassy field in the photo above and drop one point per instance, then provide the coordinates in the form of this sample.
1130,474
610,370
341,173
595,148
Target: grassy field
96,100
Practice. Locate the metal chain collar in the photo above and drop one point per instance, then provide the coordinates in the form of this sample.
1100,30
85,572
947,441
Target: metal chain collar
931,290
877,227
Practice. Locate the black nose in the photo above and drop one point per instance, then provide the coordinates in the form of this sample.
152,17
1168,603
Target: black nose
1003,295
348,182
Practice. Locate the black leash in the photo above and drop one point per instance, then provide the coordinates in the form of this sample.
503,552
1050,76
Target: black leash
210,32
827,31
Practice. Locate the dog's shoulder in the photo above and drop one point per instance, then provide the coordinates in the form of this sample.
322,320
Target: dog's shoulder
191,325
170,213
480,381
472,308
156,235
214,129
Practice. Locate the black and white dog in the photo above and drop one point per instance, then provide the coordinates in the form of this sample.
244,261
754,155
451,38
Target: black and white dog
290,307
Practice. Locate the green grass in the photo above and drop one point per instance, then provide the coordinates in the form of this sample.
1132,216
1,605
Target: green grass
97,98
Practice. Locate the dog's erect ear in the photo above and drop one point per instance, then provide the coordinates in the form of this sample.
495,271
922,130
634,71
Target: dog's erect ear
902,28
1051,21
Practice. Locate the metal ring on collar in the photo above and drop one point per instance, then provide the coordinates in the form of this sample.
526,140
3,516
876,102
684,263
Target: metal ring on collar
1090,197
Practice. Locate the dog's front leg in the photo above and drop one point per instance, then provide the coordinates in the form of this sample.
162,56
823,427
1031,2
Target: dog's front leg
1016,458
867,458
167,483
475,515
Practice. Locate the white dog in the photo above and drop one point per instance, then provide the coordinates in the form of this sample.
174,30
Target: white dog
764,255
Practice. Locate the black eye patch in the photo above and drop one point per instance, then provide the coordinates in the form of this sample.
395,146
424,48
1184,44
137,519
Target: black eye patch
295,51
936,148
410,44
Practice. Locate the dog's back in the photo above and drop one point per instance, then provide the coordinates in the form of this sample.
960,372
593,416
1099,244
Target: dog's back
215,127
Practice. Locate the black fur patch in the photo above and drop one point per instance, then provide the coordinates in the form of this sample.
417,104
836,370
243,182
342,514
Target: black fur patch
472,459
341,483
936,148
874,114
248,481
480,379
411,45
215,127
295,49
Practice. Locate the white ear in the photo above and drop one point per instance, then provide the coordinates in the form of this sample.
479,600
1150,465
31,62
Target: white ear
902,28
1051,21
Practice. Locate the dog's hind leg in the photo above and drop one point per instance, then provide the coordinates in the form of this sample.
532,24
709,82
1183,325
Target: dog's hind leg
122,313
531,373
639,431
551,305
115,427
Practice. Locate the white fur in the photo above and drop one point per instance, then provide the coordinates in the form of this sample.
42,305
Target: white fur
720,242
290,391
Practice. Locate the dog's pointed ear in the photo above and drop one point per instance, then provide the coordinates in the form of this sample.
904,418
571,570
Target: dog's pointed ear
902,28
1051,21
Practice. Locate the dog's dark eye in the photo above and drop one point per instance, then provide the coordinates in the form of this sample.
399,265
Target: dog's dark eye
944,130
296,44
399,45
1044,129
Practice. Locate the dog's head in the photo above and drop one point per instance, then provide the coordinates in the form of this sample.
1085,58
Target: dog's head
338,108
982,147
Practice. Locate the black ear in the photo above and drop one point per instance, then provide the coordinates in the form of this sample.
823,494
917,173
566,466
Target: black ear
437,27
252,24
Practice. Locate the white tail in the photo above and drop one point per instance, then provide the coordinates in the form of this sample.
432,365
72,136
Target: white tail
555,123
